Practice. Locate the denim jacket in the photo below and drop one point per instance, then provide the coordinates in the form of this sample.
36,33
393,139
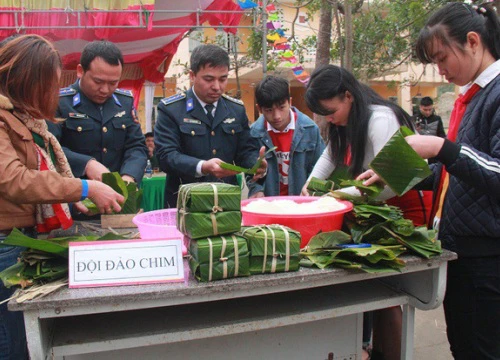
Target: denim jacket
307,146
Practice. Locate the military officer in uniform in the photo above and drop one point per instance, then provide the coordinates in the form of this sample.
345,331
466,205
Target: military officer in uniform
101,132
197,130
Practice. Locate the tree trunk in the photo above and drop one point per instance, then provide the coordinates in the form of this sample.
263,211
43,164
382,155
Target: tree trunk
324,34
348,35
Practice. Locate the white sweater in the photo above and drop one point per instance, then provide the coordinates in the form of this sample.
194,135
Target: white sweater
381,126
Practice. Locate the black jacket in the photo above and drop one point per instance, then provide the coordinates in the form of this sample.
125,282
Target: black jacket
184,135
470,224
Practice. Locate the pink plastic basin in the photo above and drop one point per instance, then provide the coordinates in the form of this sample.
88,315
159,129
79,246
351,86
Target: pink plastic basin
159,224
308,225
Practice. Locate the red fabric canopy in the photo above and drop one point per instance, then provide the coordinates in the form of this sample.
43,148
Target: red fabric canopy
147,47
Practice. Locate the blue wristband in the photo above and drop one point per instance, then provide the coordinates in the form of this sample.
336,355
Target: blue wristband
85,190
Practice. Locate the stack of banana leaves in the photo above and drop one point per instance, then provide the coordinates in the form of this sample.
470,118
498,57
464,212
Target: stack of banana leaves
43,261
376,234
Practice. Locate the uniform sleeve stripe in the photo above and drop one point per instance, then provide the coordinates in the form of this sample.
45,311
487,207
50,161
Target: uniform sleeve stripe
488,165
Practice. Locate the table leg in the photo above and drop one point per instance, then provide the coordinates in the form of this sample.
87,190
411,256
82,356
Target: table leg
407,332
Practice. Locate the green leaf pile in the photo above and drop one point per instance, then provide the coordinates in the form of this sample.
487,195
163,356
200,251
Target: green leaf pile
385,225
43,261
323,251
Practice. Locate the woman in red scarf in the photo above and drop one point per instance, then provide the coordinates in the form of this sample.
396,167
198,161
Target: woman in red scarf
464,42
36,182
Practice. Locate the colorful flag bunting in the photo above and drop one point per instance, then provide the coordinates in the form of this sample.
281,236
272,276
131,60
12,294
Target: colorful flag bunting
246,4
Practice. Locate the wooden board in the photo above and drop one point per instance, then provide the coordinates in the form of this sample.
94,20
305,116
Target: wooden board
117,221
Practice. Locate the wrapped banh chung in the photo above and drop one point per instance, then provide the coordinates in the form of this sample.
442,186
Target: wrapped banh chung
273,248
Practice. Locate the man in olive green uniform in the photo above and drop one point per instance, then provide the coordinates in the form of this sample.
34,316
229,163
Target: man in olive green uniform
197,130
101,132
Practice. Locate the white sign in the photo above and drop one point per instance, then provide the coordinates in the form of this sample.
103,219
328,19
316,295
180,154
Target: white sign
124,262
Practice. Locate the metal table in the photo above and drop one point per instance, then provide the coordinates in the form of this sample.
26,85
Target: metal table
308,314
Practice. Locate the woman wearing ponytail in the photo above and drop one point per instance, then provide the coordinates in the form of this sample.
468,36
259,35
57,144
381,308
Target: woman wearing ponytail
464,42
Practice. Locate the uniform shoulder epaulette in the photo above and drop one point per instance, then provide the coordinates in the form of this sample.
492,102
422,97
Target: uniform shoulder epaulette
67,91
124,92
237,101
173,98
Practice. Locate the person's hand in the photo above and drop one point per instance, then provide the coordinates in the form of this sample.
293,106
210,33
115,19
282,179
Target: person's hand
151,151
104,197
258,194
369,178
262,170
212,167
79,207
95,169
128,179
426,146
304,191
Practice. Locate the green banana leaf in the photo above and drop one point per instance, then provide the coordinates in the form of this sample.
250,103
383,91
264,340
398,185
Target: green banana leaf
130,192
252,170
398,165
318,185
12,275
17,238
372,191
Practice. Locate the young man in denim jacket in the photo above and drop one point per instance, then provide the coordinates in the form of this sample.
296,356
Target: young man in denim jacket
296,136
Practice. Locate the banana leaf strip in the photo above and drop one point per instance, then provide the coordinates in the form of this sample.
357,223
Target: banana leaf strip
198,225
273,248
372,191
209,197
398,165
252,170
219,257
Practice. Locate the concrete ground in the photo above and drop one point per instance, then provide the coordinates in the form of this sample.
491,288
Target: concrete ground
430,340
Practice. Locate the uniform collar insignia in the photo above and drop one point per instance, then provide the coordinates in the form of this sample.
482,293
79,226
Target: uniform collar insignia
66,91
189,104
229,120
77,115
120,114
192,121
116,100
76,99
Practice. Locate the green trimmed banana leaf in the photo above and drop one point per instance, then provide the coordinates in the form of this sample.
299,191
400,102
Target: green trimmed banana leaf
268,248
398,165
252,170
198,225
201,197
324,186
131,193
217,258
372,191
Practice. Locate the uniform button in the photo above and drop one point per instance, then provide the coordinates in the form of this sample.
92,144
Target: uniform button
193,133
79,129
212,133
104,150
123,126
214,151
105,129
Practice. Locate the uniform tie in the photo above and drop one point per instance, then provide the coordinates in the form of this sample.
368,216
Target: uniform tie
210,108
